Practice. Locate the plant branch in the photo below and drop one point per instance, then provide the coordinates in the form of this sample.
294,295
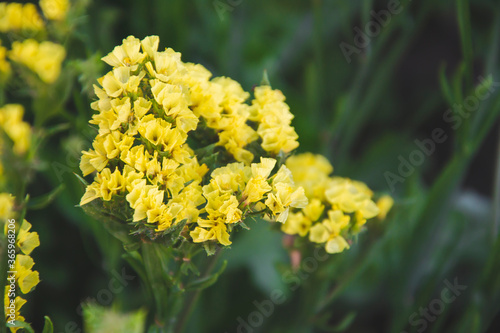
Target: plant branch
195,295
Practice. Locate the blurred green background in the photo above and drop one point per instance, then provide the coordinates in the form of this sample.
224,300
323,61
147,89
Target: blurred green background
364,112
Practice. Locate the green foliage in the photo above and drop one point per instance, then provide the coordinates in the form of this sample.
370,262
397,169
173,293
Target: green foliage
363,111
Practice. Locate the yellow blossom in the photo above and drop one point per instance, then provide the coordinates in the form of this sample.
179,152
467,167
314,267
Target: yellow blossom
15,16
25,277
126,55
329,230
44,58
384,205
4,64
55,9
274,117
6,206
217,230
296,223
26,240
311,172
13,308
17,130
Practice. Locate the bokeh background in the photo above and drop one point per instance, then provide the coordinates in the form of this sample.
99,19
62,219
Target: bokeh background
364,112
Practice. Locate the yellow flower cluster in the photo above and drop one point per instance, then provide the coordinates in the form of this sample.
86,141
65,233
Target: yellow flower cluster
42,57
155,112
11,122
45,58
16,16
24,17
338,207
236,191
273,115
18,260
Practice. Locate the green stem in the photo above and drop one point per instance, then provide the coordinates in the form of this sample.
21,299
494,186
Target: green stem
159,285
194,296
496,194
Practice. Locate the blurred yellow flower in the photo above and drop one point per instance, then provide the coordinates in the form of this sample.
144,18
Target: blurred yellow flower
15,16
45,58
4,64
338,207
384,205
11,122
6,206
55,9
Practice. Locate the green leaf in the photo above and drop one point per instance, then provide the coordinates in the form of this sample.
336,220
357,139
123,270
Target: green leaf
343,325
464,24
81,179
210,248
445,86
203,283
44,200
48,327
23,325
211,161
265,79
57,129
243,225
173,233
102,319
113,219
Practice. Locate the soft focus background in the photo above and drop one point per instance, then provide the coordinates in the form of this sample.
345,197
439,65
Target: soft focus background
362,103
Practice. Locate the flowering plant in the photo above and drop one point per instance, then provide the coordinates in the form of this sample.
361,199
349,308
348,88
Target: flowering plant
182,160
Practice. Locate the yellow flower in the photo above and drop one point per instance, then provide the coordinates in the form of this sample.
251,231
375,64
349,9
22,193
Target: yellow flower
6,206
256,188
12,309
311,172
351,196
16,16
168,65
285,195
43,58
233,92
26,278
217,231
4,64
55,9
224,208
296,223
19,132
155,130
108,184
384,205
168,215
314,209
26,240
329,230
231,178
121,81
274,117
144,198
150,45
126,55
